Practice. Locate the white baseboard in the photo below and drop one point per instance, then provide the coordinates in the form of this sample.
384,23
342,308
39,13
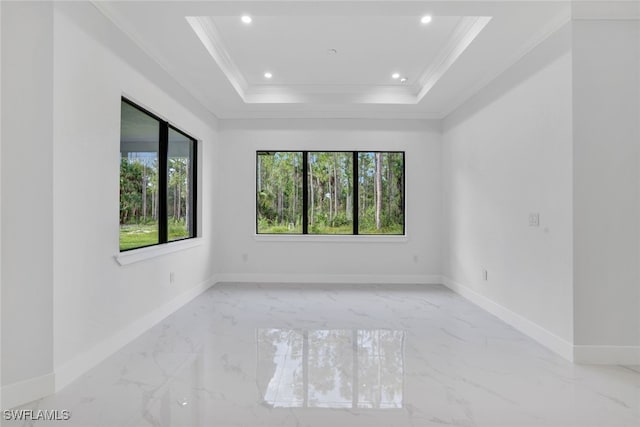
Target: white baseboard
553,342
27,391
421,279
72,369
606,355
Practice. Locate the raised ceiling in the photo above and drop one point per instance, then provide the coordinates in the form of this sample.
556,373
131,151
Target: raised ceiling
344,59
333,58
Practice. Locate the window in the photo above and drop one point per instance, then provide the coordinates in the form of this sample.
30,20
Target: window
330,192
157,180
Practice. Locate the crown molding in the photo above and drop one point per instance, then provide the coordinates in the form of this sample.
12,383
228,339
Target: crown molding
560,21
329,94
465,32
462,37
320,100
330,114
212,41
104,9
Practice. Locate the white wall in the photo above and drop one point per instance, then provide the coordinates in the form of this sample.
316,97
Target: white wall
415,260
506,154
606,106
67,303
94,66
1,199
27,191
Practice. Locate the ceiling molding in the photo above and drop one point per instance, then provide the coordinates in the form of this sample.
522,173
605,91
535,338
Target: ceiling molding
226,92
330,114
464,33
462,37
329,94
212,41
556,24
111,16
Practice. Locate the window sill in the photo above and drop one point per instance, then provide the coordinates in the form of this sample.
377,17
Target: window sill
137,255
329,238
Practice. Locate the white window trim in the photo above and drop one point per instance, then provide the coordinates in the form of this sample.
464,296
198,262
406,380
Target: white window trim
331,238
142,254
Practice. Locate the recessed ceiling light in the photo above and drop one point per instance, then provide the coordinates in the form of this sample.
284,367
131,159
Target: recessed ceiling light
395,76
268,75
403,80
331,51
246,19
426,19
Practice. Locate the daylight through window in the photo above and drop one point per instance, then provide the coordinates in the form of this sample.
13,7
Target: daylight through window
330,192
157,180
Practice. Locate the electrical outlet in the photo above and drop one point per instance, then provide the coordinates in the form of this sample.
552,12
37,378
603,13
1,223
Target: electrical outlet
172,277
485,275
534,219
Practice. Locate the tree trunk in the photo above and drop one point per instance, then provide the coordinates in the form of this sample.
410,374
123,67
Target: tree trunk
187,221
311,193
336,186
144,193
293,217
348,214
330,204
179,215
175,198
259,174
390,186
362,193
378,191
153,205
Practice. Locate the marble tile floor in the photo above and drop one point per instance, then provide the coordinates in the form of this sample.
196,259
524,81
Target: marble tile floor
341,355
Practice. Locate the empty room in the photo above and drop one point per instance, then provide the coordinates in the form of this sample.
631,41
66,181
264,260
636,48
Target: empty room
320,213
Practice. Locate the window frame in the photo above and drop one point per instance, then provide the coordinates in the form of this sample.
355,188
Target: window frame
163,180
354,194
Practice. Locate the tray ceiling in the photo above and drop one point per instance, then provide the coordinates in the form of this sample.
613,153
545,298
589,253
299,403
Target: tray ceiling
335,59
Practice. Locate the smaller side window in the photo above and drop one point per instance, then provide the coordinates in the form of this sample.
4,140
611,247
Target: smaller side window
157,180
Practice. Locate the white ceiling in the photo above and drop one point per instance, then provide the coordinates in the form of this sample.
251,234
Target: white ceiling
221,60
296,49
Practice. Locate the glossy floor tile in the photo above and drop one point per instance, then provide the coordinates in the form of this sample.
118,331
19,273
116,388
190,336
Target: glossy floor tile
330,355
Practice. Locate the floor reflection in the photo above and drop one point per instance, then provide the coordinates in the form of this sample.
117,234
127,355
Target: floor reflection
340,356
336,368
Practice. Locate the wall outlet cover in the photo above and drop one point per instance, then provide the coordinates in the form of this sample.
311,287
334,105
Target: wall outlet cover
534,219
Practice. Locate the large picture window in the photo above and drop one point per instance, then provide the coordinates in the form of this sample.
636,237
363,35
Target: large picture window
330,192
157,180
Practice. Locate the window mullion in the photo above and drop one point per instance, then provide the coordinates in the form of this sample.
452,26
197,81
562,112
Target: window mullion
305,192
194,188
162,183
354,204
